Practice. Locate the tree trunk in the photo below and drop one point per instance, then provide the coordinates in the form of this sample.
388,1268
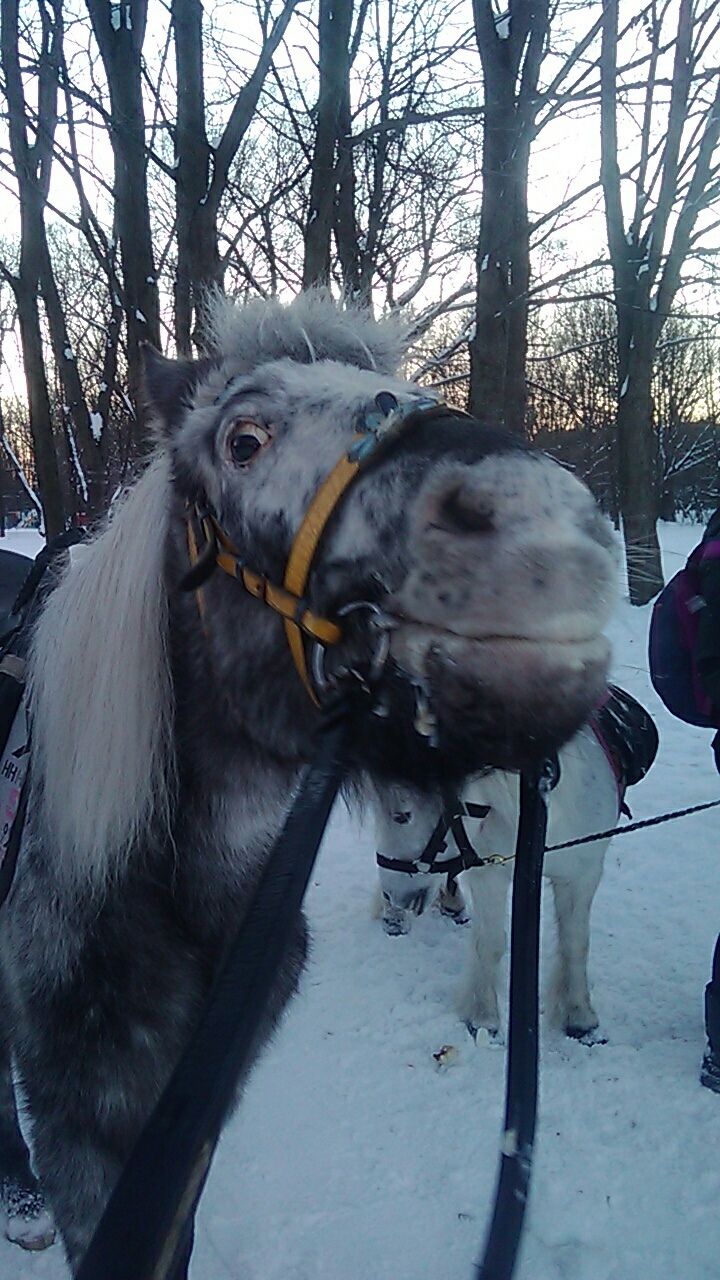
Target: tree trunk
199,266
637,470
120,30
636,347
511,57
334,21
39,405
32,166
86,454
202,171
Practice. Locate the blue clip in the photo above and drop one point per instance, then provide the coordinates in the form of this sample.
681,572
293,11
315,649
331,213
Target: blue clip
361,450
377,424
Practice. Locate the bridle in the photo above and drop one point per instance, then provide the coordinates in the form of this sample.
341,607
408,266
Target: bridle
379,429
454,814
451,822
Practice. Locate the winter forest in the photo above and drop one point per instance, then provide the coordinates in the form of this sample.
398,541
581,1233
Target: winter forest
533,187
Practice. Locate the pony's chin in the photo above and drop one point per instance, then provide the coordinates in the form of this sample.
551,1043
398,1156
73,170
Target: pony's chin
505,702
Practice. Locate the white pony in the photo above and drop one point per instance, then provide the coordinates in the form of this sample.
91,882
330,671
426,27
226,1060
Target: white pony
586,799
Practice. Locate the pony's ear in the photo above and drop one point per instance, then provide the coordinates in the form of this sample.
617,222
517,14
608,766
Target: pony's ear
168,385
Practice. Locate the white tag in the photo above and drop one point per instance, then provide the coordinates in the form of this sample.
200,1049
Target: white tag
13,770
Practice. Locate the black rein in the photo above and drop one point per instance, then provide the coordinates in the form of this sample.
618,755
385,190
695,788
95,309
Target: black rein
146,1230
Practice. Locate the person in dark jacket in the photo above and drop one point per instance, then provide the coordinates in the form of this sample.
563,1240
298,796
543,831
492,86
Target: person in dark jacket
707,657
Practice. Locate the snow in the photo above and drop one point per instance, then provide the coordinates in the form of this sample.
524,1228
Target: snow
502,26
355,1156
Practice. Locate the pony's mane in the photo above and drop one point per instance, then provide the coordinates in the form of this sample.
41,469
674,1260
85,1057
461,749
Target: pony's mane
310,328
101,691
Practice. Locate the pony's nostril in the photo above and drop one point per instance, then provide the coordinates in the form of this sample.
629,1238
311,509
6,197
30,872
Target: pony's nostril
461,510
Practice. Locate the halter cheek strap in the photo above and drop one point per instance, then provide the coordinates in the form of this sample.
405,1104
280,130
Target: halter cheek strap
302,555
298,619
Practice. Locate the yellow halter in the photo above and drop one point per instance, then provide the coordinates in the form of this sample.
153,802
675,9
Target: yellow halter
288,600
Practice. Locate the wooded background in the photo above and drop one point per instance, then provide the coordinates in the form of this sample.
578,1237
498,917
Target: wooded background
535,187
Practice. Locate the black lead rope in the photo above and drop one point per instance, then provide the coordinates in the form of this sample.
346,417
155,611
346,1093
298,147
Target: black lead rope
147,1229
503,1238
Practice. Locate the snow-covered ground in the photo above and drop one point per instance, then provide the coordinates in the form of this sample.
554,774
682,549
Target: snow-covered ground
354,1157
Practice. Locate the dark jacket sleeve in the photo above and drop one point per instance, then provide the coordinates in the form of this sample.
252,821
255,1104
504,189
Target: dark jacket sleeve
707,653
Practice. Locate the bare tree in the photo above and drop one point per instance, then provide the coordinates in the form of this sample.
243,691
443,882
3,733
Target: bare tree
511,48
119,29
654,205
31,145
201,171
331,203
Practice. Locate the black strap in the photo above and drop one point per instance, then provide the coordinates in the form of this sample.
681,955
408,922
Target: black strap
513,1184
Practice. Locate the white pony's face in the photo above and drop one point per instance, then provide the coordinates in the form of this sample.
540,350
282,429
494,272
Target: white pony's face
491,561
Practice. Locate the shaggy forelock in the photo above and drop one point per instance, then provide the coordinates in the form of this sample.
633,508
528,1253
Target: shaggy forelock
312,327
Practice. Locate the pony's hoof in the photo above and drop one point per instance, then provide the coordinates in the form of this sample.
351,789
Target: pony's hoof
710,1072
28,1222
396,928
457,917
32,1234
586,1035
485,1037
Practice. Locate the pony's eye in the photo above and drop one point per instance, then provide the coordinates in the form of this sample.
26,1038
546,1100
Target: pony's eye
245,440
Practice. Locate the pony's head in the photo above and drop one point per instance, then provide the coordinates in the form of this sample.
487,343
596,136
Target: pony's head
487,562
471,574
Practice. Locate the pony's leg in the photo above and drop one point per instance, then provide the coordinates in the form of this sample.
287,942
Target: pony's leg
478,1000
452,902
573,901
27,1221
96,1060
78,1178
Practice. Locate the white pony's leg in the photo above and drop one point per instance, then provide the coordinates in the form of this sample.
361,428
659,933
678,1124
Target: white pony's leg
585,800
395,919
477,1001
404,821
573,894
451,901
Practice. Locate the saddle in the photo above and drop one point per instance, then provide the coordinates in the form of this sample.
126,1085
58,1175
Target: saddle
628,734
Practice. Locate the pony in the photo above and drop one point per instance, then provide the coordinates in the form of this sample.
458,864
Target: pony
461,579
588,798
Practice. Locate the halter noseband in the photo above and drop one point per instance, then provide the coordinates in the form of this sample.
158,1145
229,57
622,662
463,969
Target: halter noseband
379,428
